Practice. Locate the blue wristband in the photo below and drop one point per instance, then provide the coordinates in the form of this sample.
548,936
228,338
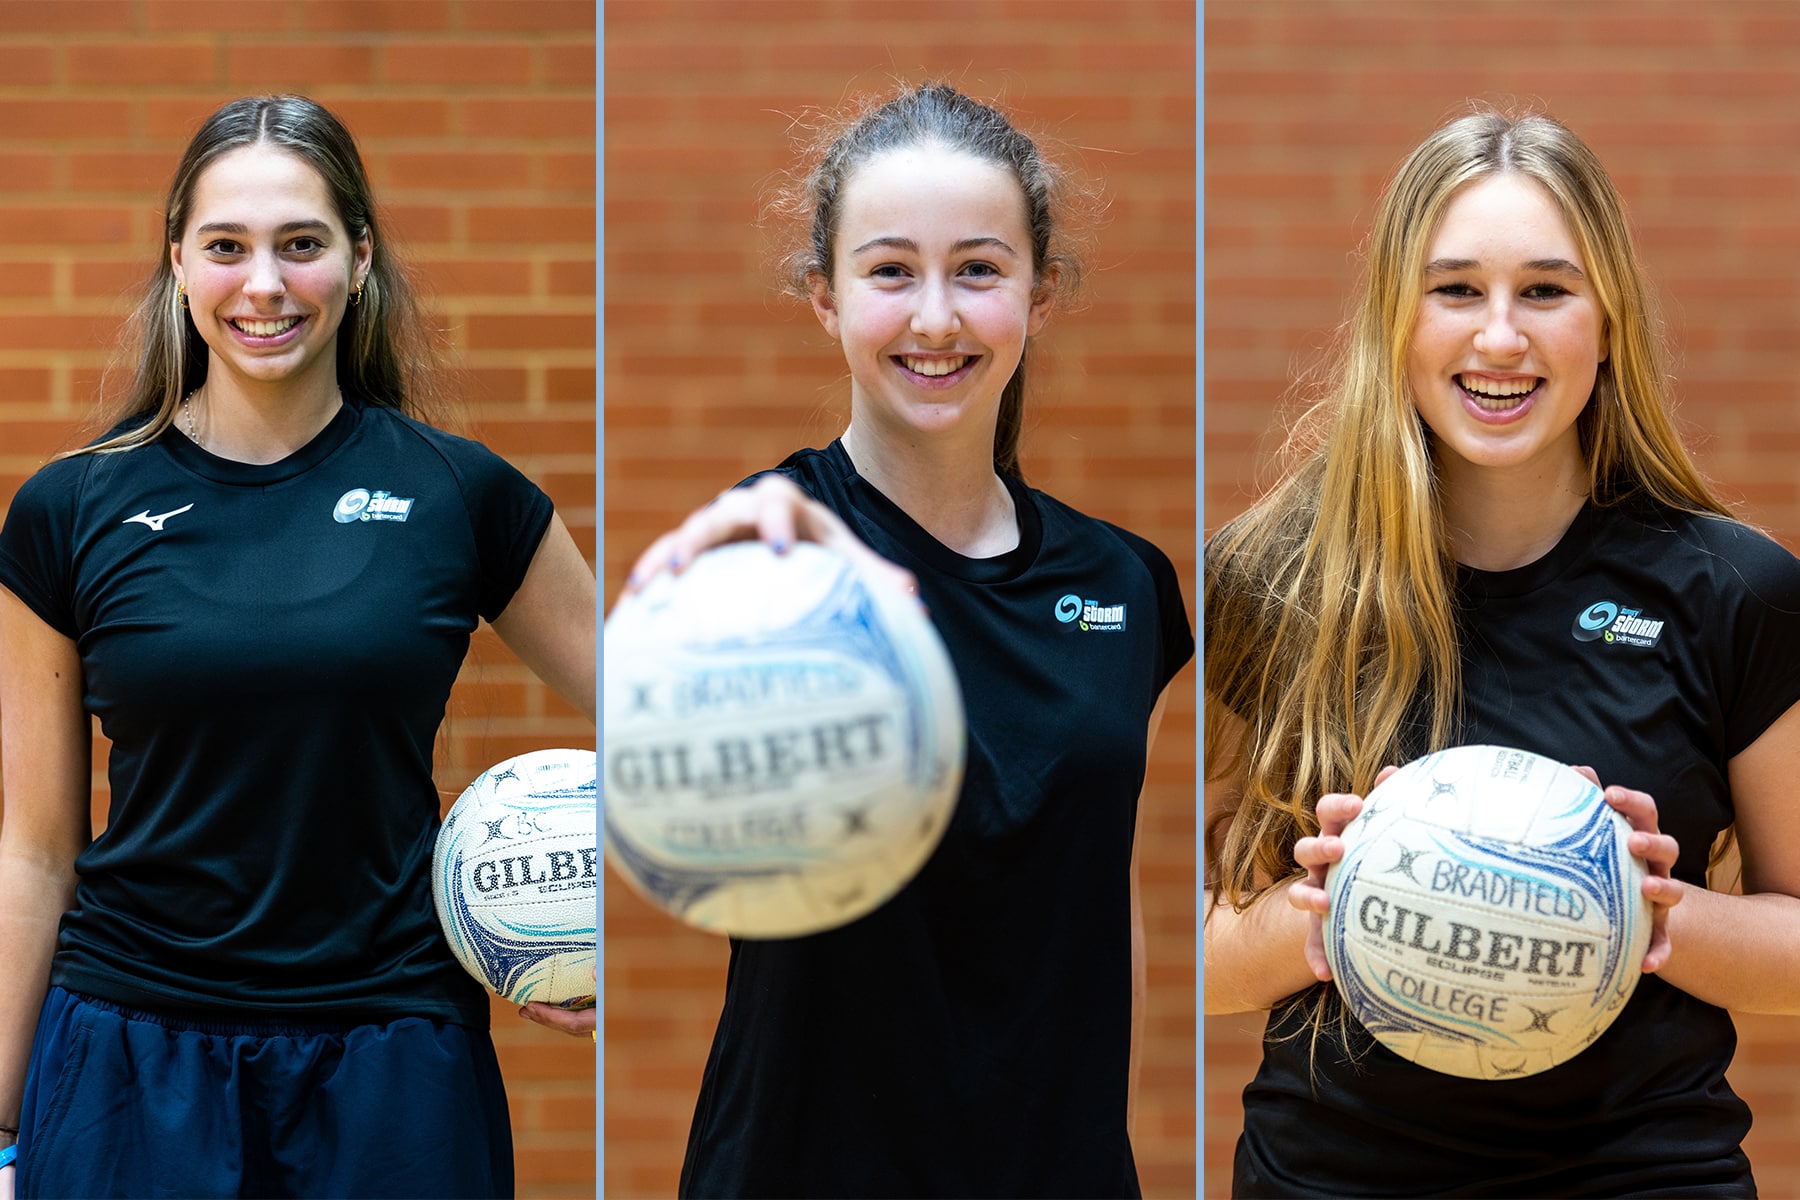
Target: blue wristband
7,1155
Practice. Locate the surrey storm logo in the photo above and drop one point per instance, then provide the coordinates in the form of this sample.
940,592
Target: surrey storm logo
1605,621
1091,615
360,504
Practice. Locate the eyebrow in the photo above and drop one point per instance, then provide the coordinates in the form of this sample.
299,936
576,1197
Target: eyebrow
1555,266
234,227
957,247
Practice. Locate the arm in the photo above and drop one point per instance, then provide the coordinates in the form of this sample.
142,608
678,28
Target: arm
1256,957
549,624
1743,951
45,740
1140,966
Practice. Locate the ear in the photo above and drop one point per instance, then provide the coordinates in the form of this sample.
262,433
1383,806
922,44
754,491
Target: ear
1043,299
823,302
175,262
365,253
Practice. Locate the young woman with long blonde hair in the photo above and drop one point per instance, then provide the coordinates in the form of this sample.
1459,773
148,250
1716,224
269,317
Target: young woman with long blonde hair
1493,459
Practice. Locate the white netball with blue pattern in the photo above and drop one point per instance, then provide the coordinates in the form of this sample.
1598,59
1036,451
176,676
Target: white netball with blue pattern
783,739
1487,919
514,877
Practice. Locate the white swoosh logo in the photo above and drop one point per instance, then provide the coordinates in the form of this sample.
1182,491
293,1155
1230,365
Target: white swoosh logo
156,523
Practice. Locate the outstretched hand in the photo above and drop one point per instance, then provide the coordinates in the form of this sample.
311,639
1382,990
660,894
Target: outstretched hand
573,1022
1316,854
1659,851
772,510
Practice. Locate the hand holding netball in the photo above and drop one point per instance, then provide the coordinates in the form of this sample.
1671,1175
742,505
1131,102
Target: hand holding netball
1486,912
771,510
1335,811
784,733
1316,854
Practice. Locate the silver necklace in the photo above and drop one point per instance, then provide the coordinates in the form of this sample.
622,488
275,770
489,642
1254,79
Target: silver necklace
187,408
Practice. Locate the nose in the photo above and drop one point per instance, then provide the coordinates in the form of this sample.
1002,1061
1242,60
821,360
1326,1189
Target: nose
264,280
1500,335
936,318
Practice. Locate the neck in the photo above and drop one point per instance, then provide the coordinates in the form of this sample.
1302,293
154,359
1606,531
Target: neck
1499,519
257,421
951,490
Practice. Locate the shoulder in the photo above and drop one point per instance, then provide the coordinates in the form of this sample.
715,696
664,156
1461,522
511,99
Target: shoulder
477,469
1098,537
1734,558
825,475
410,432
62,484
819,473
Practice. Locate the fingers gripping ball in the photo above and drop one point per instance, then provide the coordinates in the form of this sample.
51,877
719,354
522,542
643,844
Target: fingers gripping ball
783,740
1487,919
514,874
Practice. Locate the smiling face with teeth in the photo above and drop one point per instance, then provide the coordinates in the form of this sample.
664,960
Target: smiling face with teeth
933,295
1509,335
269,267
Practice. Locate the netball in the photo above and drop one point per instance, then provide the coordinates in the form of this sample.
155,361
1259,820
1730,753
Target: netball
783,742
514,874
1487,919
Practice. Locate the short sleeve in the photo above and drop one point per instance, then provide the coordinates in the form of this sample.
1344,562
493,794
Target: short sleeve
1177,634
1761,585
508,515
37,546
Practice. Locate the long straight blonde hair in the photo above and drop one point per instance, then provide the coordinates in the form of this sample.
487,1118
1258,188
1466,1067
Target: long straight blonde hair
1330,623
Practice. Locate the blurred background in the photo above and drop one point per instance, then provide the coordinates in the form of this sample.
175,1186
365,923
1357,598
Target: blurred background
710,375
1695,111
476,122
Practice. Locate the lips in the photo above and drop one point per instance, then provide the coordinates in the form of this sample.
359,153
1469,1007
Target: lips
1499,395
264,328
934,368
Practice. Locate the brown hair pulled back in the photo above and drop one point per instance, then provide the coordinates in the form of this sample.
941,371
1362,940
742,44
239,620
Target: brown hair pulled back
935,114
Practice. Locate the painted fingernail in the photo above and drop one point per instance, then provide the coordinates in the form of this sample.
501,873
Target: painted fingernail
779,545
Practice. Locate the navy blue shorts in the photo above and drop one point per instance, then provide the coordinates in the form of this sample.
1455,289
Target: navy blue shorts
124,1103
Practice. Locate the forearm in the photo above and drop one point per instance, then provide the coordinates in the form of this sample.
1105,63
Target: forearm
1256,957
33,897
1738,952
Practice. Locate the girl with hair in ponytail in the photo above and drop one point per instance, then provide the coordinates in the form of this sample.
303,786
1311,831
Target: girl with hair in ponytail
261,580
1491,461
971,1037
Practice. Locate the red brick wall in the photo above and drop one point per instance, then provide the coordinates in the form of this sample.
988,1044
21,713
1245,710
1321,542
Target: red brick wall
476,119
710,375
1693,107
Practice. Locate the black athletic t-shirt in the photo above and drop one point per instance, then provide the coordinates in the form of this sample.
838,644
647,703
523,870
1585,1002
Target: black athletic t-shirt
270,649
1652,645
971,1037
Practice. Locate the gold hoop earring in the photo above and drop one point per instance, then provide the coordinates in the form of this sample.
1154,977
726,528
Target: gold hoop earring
356,296
181,295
